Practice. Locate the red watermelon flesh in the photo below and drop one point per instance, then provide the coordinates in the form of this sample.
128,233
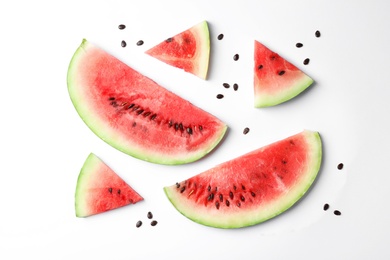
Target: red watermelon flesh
188,50
275,79
251,188
100,189
136,115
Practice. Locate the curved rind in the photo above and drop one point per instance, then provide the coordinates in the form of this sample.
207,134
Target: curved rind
243,218
200,61
109,135
265,100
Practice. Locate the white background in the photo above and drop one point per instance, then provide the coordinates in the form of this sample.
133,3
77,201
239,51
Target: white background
44,142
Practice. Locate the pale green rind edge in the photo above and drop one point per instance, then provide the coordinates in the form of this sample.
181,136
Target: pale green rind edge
204,59
89,167
102,132
246,219
295,90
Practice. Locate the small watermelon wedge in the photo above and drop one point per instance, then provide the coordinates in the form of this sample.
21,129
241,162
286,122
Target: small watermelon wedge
252,188
100,189
188,50
136,115
275,79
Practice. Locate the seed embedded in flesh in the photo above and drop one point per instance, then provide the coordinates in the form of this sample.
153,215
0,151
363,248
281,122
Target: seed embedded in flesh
153,117
209,188
131,106
219,96
253,194
340,166
236,57
182,189
242,198
121,26
123,44
221,197
281,72
153,223
111,98
169,39
326,206
260,67
189,130
217,204
119,191
226,85
138,224
220,36
318,34
306,61
246,130
110,190
150,215
299,45
210,197
140,42
337,212
227,203
235,86
177,185
231,195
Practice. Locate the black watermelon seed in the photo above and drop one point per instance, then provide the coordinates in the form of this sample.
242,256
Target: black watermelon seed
150,215
260,67
138,224
147,114
220,37
169,40
111,98
236,57
131,105
200,128
182,189
227,203
340,166
231,195
281,72
153,223
153,117
221,197
177,185
123,44
181,127
306,61
235,86
337,212
189,130
209,188
170,123
242,198
299,45
176,126
246,130
219,96
318,34
110,190
234,187
140,111
238,204
326,206
210,197
140,42
217,204
243,187
119,191
226,85
253,194
121,26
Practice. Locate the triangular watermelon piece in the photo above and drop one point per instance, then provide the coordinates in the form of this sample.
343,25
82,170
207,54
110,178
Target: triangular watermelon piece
188,50
100,189
275,79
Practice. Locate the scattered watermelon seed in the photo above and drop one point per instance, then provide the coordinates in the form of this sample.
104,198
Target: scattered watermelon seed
243,187
153,117
209,188
169,40
189,130
326,206
306,61
219,96
234,187
131,105
110,190
140,42
337,212
150,215
242,198
246,130
147,114
139,223
299,45
227,203
235,86
177,185
153,223
121,26
253,194
181,127
217,204
226,85
281,72
210,197
123,44
340,166
236,57
318,34
111,98
231,195
182,189
260,67
220,37
221,197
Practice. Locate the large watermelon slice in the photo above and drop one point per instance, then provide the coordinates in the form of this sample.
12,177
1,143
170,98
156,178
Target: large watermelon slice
188,50
253,187
100,189
275,79
134,114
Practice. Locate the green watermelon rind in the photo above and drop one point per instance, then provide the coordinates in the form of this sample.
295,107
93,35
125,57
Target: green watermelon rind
265,100
203,58
109,136
245,219
91,164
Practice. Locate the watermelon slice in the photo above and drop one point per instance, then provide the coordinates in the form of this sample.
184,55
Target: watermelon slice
252,188
275,79
134,114
100,189
188,50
